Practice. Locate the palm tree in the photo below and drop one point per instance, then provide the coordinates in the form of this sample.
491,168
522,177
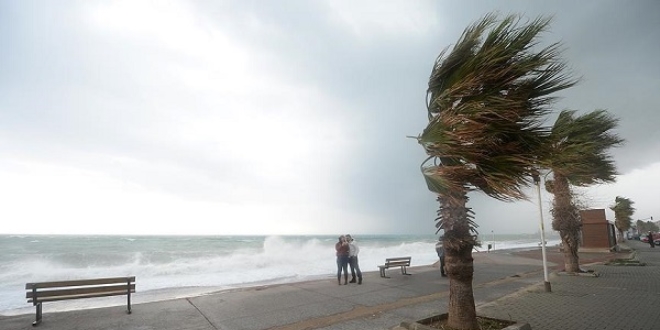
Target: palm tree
623,211
485,102
577,155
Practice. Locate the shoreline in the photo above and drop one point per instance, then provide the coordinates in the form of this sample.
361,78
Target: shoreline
526,255
380,303
155,295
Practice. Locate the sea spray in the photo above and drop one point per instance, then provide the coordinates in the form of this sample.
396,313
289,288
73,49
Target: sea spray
173,266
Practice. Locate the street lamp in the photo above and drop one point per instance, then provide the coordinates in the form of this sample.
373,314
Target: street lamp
548,288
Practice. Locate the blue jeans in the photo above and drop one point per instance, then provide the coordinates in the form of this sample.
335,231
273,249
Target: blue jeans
342,263
355,267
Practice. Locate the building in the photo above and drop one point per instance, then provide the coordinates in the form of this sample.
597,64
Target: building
598,234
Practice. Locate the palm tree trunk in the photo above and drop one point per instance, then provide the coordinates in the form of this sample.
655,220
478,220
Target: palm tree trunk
571,242
461,310
566,220
458,243
620,240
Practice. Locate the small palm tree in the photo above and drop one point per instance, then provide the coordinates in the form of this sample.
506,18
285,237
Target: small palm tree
577,155
485,100
623,211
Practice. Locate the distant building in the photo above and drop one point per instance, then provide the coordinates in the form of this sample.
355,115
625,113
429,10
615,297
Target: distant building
598,234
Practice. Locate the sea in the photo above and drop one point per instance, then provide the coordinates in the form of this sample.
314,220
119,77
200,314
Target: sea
168,267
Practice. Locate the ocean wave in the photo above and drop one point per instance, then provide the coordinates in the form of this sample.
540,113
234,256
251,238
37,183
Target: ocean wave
176,262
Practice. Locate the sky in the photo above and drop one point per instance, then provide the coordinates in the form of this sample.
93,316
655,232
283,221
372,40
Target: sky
279,117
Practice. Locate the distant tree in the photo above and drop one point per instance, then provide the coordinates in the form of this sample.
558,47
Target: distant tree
577,155
623,211
486,99
643,227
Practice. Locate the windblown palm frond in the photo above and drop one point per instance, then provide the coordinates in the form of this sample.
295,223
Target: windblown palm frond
579,147
485,101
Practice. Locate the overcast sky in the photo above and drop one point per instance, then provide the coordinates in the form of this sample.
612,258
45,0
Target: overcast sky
277,117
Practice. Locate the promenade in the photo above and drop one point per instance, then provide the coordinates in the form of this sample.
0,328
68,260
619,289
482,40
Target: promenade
622,297
507,285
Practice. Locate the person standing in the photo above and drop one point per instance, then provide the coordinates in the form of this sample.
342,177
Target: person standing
441,254
353,251
651,242
342,249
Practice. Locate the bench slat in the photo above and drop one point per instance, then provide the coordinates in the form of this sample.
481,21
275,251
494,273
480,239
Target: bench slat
80,291
399,261
96,281
80,296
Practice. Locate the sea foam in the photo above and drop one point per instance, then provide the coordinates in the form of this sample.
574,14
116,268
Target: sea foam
169,267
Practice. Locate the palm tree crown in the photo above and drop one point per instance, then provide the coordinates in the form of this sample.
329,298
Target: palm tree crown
579,145
485,101
623,211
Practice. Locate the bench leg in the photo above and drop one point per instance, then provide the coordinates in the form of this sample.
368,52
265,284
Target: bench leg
128,297
129,304
382,272
404,270
38,316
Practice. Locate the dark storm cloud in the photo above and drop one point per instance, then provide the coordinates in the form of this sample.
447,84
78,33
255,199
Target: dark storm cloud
610,45
378,75
383,79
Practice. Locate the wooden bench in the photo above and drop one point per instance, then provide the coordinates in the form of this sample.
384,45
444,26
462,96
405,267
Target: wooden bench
402,262
38,293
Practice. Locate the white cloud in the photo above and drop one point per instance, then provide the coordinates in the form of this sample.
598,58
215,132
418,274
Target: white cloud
51,199
639,185
174,26
373,18
197,136
222,106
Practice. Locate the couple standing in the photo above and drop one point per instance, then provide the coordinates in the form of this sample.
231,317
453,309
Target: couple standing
347,254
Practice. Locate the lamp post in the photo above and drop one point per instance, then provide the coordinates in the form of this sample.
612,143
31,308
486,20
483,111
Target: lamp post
546,282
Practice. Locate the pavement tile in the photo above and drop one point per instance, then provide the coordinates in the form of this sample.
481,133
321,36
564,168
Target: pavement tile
623,297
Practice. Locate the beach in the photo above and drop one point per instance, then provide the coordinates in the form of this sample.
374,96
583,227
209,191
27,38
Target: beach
380,303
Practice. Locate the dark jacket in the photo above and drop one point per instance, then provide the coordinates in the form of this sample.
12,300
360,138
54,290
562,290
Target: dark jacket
440,249
342,249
